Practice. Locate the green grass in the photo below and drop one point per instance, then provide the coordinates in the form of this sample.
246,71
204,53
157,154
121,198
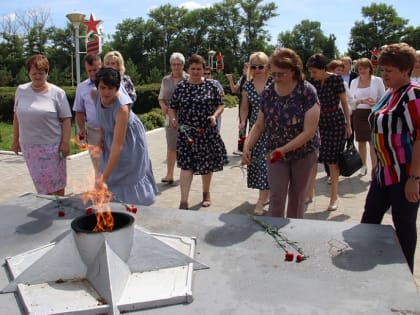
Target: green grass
6,137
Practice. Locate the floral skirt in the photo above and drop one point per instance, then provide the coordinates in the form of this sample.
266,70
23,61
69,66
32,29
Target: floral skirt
47,169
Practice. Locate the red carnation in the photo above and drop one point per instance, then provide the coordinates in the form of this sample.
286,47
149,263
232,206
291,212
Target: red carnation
81,137
61,213
190,141
201,131
299,257
134,210
288,257
276,155
88,210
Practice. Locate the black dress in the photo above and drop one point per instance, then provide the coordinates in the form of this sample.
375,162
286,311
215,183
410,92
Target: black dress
200,147
332,124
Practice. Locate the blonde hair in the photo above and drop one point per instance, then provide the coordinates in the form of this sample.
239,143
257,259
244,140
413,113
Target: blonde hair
257,57
115,56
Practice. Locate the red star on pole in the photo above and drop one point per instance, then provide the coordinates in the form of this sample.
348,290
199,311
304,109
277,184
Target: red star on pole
92,24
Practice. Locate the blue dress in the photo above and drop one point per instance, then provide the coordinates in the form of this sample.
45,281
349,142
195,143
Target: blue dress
132,179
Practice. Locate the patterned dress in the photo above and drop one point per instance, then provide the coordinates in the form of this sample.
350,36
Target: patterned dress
257,170
332,125
285,117
200,147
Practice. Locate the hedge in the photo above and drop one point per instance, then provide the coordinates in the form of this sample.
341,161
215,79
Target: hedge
147,100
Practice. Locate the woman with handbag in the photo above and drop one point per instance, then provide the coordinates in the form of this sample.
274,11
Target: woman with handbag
334,122
395,122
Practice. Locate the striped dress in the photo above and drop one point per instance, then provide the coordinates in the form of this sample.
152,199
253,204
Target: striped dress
395,123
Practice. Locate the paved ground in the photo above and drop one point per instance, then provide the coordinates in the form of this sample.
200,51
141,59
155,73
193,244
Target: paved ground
229,192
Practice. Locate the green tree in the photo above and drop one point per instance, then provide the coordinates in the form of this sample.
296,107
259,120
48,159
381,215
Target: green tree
254,17
306,39
167,19
412,36
381,26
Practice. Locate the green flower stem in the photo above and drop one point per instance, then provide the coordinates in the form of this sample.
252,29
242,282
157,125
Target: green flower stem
280,239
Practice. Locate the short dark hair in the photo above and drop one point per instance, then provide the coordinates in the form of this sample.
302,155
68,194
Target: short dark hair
110,77
90,59
196,59
318,61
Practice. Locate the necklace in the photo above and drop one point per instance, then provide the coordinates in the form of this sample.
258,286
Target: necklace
39,89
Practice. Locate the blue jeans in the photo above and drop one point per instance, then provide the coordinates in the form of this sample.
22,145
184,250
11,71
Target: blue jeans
404,214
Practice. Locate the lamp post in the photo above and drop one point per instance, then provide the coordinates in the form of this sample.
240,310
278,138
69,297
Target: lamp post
76,18
211,55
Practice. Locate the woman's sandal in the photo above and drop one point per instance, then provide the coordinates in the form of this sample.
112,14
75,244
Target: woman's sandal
183,205
206,200
167,180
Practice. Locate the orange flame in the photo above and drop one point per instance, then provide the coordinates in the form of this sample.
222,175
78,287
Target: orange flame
81,145
100,199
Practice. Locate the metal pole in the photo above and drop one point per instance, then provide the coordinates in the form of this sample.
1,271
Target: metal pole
76,31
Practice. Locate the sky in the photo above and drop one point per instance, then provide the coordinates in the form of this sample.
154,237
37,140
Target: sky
336,16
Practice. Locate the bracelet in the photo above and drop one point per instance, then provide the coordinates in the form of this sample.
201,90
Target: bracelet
414,177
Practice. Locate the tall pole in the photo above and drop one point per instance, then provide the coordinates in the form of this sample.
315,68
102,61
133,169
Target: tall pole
76,35
76,18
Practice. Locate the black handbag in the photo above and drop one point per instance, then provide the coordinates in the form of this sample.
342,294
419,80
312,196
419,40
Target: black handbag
349,160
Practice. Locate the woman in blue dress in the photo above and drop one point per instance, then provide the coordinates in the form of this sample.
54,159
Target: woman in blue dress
125,165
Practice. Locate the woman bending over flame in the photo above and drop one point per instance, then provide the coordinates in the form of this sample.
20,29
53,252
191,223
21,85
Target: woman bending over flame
125,166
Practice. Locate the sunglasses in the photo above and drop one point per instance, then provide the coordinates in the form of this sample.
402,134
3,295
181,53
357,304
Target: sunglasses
279,74
255,67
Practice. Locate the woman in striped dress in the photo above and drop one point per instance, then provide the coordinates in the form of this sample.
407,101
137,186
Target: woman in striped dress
395,122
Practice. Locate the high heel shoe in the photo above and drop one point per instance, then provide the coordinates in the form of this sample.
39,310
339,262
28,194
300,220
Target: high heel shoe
333,206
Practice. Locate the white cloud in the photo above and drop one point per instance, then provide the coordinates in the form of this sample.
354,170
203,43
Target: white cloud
192,5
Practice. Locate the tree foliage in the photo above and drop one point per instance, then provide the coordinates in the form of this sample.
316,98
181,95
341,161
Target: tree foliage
306,39
381,25
236,28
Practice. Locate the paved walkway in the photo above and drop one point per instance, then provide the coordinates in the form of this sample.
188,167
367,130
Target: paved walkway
228,190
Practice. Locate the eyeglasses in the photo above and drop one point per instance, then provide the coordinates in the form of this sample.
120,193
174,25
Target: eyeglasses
279,74
255,67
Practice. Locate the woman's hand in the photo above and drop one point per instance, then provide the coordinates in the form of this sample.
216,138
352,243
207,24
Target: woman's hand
213,120
241,125
348,130
173,123
64,149
100,183
412,190
16,147
246,156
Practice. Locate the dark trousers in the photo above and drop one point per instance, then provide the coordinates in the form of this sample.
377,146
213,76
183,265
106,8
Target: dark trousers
404,214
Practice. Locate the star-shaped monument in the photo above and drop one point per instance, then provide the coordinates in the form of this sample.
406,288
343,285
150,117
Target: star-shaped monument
92,24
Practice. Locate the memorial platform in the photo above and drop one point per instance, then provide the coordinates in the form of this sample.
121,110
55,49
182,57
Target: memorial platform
351,268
